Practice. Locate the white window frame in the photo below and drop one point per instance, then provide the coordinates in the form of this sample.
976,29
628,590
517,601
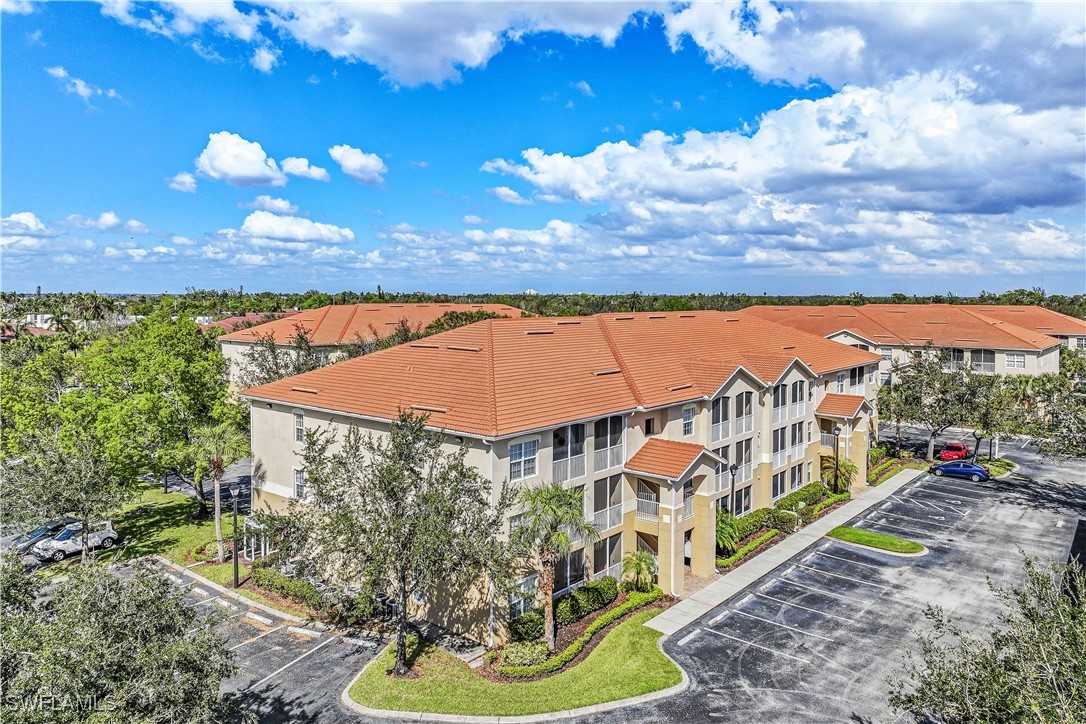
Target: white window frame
299,483
299,426
521,463
688,420
523,600
1016,360
840,383
780,484
887,353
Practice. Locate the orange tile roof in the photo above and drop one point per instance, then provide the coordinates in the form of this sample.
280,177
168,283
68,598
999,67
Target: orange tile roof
506,376
944,325
344,323
666,458
1038,319
836,405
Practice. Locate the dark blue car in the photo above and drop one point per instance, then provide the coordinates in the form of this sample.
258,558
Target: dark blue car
961,469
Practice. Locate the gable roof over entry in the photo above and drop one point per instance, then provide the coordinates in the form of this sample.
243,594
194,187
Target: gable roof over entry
668,459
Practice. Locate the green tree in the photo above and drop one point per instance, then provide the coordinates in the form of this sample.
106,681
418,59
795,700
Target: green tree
1063,432
1030,667
895,403
220,446
840,474
399,513
639,568
109,649
267,360
551,518
935,398
727,531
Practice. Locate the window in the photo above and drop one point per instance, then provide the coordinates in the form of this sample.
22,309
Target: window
741,501
810,431
608,432
299,484
322,357
688,421
1016,360
808,472
299,427
569,572
650,426
522,600
795,480
778,485
515,522
864,347
743,404
797,434
840,381
870,374
742,453
779,439
798,394
722,468
780,396
568,442
884,378
522,459
856,376
887,353
1081,343
606,493
720,413
607,555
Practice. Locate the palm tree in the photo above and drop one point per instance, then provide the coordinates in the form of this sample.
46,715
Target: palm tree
841,473
639,568
553,517
727,531
221,446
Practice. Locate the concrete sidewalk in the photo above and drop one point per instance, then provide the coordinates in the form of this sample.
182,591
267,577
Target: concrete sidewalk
731,583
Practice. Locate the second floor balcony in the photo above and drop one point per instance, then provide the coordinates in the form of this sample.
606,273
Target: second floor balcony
827,439
607,458
744,424
568,469
648,509
608,518
721,430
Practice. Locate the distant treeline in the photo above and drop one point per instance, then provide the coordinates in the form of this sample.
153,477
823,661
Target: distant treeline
230,302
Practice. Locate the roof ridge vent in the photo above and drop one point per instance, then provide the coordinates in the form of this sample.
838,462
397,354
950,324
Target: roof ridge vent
539,331
461,348
935,321
789,346
601,373
307,390
657,316
622,319
425,345
731,319
429,408
676,388
686,316
568,321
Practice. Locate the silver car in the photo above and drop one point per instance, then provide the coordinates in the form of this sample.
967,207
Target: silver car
70,541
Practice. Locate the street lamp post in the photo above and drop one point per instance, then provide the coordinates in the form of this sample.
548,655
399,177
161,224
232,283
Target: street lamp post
733,469
836,459
234,490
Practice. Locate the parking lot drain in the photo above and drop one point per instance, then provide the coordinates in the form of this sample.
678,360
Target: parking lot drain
257,617
759,646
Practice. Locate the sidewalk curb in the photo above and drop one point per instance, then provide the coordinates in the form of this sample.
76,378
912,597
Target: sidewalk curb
346,700
227,592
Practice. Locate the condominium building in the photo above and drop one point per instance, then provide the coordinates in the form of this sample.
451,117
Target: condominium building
330,329
972,335
658,419
1069,330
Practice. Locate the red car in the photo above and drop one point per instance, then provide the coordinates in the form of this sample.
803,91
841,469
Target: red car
954,451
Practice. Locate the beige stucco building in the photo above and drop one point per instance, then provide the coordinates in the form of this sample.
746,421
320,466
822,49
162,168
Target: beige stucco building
659,419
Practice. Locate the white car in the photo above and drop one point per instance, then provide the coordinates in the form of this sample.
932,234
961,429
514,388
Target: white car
70,541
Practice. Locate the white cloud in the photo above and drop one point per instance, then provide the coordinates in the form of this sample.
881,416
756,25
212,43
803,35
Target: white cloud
301,167
206,52
24,223
229,157
473,219
584,88
509,196
106,221
262,224
181,18
182,241
313,80
80,87
132,226
270,203
184,182
265,58
359,165
17,7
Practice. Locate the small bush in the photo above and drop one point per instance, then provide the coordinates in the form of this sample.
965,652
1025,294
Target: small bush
811,512
588,598
781,520
525,653
747,549
528,627
296,589
809,494
877,454
752,522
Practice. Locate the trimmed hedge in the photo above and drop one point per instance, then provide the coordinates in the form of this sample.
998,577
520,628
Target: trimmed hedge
752,522
525,653
809,494
568,609
634,601
877,454
745,550
874,473
781,519
808,514
265,575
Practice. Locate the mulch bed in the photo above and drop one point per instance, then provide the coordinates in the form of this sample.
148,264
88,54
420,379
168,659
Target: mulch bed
764,547
572,632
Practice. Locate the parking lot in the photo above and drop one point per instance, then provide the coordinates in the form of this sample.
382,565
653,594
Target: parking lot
817,638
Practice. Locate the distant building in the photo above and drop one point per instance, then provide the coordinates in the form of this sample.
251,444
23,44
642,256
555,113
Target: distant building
231,323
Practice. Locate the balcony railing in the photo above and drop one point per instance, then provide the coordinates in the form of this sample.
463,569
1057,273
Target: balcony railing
614,571
573,586
721,480
568,469
608,518
780,457
721,430
608,457
799,409
856,390
826,439
744,424
745,473
688,507
780,414
648,509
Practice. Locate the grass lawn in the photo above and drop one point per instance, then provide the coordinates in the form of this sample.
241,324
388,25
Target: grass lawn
997,466
626,663
875,540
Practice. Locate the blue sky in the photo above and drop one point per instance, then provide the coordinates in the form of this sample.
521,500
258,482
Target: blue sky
564,147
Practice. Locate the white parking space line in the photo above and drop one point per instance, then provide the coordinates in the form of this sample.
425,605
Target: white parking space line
759,646
805,608
955,498
286,666
847,578
947,490
206,600
790,628
914,501
254,638
847,560
931,519
689,637
815,589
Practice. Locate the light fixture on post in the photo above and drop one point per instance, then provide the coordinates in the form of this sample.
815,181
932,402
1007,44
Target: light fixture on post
836,459
733,469
234,490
